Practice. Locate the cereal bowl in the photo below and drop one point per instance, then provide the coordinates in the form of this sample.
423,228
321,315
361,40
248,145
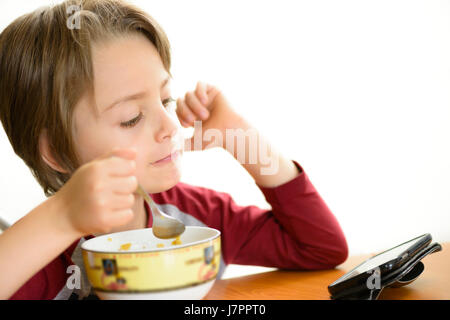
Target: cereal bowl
137,265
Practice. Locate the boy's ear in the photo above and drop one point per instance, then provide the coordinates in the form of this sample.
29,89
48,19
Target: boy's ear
46,153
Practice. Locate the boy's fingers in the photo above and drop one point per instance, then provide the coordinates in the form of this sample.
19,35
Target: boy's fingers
129,154
120,167
184,114
120,217
212,91
123,185
184,124
196,106
122,202
125,153
201,93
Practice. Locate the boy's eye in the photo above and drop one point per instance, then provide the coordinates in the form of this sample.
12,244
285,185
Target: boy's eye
169,102
132,122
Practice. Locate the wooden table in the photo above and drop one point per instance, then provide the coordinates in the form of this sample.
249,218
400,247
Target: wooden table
433,283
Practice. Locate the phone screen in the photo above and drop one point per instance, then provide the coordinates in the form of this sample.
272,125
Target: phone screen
380,259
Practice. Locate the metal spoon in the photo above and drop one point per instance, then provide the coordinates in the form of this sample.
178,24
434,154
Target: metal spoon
164,226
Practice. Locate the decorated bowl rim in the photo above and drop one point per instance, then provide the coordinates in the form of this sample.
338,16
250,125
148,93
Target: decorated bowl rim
143,251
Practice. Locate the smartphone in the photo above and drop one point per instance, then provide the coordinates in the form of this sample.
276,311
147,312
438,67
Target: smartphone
387,264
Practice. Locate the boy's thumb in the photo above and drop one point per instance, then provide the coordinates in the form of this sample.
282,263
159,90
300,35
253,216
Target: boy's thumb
125,153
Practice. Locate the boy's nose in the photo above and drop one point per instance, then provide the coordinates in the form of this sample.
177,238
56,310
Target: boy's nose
168,126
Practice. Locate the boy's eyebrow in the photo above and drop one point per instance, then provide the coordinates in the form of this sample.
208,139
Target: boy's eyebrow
135,95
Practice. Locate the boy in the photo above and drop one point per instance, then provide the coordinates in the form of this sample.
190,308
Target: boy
85,102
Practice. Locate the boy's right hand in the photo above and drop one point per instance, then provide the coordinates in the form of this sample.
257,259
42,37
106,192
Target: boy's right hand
100,194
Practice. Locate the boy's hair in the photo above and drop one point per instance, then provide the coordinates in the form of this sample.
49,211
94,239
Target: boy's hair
45,68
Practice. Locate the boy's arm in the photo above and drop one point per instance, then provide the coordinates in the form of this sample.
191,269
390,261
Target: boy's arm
98,197
300,223
299,232
271,169
31,243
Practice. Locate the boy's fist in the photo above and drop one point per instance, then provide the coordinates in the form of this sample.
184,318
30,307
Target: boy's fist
197,104
208,104
100,194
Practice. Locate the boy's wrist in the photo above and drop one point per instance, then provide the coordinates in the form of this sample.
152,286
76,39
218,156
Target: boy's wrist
62,220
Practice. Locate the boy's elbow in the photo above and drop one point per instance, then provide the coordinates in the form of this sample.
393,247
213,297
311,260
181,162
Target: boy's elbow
338,254
331,257
342,254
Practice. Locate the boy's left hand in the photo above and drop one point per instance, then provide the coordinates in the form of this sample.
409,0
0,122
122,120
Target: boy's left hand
207,104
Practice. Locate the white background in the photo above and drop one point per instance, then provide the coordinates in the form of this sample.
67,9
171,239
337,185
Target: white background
358,92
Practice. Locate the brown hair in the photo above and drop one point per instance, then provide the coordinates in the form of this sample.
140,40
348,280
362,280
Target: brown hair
46,66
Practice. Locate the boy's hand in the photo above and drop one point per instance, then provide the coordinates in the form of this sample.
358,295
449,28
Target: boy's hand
209,105
99,196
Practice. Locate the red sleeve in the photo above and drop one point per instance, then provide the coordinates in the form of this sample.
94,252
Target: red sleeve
299,232
48,282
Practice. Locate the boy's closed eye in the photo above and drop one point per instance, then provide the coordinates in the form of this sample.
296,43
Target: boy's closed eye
168,103
132,122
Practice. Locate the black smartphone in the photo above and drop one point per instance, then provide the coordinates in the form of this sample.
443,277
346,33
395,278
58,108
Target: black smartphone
387,264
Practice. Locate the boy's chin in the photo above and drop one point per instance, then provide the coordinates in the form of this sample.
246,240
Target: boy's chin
166,186
162,183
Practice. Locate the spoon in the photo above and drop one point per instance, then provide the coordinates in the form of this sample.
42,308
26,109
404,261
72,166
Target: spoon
164,226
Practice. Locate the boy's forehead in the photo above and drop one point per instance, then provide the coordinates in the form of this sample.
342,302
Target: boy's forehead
133,93
121,70
124,59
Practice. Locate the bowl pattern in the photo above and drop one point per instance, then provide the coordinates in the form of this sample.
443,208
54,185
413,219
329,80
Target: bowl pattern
152,271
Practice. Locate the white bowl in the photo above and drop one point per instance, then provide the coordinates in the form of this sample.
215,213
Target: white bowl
151,268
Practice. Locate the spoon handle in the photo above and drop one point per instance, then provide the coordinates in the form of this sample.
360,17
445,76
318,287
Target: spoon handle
149,200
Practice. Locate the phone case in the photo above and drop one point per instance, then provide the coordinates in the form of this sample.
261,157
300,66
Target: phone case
400,272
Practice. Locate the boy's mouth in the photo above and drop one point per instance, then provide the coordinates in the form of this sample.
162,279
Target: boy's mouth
171,157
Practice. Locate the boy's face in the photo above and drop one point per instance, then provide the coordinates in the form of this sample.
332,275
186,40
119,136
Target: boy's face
131,66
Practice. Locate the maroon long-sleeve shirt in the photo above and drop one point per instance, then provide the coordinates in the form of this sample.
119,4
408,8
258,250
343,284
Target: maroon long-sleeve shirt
298,232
